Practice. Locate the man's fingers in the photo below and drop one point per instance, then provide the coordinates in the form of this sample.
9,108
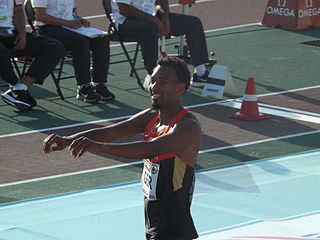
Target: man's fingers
77,146
74,144
48,142
83,150
79,150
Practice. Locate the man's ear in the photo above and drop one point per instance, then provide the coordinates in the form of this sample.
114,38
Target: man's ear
182,88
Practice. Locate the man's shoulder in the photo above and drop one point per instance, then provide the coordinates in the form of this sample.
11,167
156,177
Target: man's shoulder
191,117
190,121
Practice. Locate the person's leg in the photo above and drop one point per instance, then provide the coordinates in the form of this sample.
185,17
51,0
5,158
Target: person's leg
6,70
46,53
147,33
79,46
100,66
191,26
100,58
18,99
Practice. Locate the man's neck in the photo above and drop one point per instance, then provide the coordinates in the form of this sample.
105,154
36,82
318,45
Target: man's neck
168,114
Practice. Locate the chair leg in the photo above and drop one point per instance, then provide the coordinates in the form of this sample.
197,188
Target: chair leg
135,58
24,68
26,61
56,80
16,67
131,65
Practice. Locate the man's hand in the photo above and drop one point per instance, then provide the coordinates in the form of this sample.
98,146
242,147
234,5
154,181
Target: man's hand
20,41
55,143
81,145
72,24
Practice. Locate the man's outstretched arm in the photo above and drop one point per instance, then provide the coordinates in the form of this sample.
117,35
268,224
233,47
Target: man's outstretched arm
185,134
124,129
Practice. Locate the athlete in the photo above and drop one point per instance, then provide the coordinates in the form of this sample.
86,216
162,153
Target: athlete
170,147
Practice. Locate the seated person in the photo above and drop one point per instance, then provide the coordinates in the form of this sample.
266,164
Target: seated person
52,17
14,40
137,19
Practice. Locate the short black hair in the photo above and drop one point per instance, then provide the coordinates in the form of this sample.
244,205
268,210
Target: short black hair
180,67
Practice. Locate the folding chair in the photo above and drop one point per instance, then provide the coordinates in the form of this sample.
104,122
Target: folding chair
56,78
114,35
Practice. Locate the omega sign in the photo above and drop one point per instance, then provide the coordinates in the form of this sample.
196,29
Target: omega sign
282,10
309,11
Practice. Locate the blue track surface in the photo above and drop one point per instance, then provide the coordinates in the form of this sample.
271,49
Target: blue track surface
268,198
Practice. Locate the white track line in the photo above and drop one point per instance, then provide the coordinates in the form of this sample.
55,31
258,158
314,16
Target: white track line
259,141
63,127
278,111
291,110
256,221
140,162
71,174
261,95
125,117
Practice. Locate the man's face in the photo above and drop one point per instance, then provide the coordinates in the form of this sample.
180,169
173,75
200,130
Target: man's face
165,88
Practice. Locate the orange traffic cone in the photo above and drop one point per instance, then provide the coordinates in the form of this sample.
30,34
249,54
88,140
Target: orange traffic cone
249,109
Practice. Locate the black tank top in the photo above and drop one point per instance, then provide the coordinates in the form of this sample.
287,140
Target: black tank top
168,184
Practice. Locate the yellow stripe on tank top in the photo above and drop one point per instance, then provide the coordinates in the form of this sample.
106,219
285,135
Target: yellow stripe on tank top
178,173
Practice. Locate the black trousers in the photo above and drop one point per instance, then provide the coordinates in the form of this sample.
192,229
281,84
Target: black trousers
45,51
80,47
147,34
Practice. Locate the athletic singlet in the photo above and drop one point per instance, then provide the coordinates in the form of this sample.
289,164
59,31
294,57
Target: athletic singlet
167,184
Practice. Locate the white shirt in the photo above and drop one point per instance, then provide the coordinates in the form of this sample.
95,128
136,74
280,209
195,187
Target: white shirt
147,6
6,12
58,8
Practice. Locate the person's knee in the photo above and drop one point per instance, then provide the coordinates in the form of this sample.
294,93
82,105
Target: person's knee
57,49
100,44
104,40
151,29
81,44
194,21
